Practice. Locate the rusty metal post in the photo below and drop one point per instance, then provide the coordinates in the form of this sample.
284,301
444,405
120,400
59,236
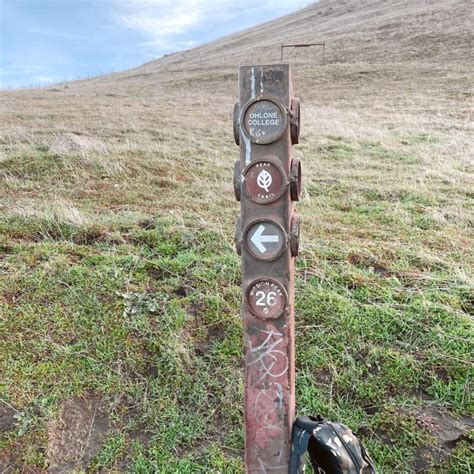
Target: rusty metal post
267,181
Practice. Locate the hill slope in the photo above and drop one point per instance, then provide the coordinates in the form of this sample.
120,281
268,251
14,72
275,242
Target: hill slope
119,284
355,31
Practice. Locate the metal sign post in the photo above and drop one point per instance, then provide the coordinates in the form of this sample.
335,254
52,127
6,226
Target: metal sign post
267,181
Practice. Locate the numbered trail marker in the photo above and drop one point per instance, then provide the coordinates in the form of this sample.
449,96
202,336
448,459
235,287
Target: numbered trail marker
267,299
267,181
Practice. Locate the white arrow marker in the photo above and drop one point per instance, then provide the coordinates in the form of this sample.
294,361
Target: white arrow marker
258,239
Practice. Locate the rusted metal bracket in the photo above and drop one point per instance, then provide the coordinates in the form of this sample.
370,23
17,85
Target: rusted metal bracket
294,47
295,120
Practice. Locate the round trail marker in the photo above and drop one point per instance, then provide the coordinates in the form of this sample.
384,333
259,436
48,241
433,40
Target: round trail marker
265,240
266,299
264,121
264,181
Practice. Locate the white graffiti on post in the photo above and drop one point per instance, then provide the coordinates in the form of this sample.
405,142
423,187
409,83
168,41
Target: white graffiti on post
270,362
268,356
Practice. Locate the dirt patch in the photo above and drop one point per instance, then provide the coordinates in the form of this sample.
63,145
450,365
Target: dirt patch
157,273
213,333
447,432
366,263
194,310
76,144
216,332
182,291
7,417
76,437
438,422
146,224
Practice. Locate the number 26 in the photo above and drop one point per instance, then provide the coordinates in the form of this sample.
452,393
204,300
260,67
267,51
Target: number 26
270,298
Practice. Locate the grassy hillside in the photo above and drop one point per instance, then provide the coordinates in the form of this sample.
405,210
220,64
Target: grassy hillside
119,283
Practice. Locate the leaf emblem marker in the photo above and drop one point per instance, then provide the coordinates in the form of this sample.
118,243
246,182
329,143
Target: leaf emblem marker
264,180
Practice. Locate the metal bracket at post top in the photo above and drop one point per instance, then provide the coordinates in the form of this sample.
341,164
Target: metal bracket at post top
267,181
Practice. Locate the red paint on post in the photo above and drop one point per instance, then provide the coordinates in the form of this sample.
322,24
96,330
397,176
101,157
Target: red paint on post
267,237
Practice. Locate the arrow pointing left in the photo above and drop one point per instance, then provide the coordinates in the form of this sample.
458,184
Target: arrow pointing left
258,239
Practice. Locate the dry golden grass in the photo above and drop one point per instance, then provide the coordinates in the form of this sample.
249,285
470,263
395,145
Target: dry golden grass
387,213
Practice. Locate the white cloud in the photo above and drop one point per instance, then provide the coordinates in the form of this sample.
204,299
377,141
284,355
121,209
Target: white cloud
161,21
44,79
22,68
173,22
169,24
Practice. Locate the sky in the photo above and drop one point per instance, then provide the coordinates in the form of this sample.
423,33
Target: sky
45,41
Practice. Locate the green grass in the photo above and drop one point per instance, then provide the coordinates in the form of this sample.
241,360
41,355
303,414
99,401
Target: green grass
101,295
116,320
153,325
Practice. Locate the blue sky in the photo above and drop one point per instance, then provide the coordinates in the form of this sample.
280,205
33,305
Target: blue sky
43,41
